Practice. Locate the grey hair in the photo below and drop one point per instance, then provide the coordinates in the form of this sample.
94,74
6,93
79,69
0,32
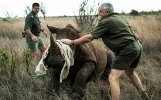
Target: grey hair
108,7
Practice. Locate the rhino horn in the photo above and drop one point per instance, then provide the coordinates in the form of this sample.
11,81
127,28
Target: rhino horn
52,41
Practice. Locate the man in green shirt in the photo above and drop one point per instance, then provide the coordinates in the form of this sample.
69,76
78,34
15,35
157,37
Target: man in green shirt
117,34
33,30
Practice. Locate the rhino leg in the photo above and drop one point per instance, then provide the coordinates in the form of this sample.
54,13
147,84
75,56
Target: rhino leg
54,85
80,81
107,70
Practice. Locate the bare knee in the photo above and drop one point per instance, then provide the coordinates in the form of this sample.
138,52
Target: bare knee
42,49
33,54
131,72
115,75
112,77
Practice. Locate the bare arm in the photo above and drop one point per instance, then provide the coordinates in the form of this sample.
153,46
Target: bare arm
33,37
84,39
28,31
81,40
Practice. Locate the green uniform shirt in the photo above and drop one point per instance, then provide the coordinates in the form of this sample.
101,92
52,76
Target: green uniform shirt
32,22
115,32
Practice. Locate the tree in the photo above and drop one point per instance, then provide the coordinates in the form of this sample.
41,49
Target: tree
87,18
7,16
43,9
134,13
27,10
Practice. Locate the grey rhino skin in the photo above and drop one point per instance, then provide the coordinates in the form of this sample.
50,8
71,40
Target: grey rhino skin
90,60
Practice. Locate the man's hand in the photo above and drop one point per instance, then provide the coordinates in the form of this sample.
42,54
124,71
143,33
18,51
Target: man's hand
67,41
45,33
34,38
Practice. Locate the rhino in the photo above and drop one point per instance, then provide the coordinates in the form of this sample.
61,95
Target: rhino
91,60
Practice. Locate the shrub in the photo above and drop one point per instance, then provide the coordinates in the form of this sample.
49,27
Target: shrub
5,57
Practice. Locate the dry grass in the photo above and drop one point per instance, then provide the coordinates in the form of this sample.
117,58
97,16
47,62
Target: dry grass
148,30
21,86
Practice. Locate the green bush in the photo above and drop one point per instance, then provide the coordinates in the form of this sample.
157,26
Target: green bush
5,19
27,60
5,57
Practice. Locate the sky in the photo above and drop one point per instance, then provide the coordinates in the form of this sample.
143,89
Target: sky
71,7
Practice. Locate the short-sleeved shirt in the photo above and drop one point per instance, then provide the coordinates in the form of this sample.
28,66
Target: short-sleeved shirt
32,22
115,32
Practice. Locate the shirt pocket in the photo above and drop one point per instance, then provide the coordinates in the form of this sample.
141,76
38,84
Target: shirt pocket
37,23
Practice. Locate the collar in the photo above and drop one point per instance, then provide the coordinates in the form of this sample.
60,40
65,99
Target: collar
109,16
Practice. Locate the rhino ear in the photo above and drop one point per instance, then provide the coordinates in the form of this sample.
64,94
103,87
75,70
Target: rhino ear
52,29
72,27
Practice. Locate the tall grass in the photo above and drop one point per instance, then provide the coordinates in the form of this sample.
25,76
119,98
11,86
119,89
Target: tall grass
148,29
17,84
11,29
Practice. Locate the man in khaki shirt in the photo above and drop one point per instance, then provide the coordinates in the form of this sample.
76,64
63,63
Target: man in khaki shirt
117,35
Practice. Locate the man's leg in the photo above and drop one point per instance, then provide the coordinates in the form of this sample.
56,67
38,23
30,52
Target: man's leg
33,50
33,46
131,73
41,46
33,54
42,49
114,78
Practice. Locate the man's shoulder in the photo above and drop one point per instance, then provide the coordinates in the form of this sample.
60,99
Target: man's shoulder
30,16
105,20
112,17
116,16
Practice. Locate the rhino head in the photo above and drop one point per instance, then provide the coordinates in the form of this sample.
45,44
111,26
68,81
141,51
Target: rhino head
54,59
68,32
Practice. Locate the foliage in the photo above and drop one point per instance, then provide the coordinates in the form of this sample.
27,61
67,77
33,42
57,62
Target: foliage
27,60
43,9
27,10
150,12
4,19
5,57
7,16
134,13
8,62
87,18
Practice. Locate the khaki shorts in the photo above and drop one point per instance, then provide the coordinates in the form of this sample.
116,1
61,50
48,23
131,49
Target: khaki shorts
128,57
33,46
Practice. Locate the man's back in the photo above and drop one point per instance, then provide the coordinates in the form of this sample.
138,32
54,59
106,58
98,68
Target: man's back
116,32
